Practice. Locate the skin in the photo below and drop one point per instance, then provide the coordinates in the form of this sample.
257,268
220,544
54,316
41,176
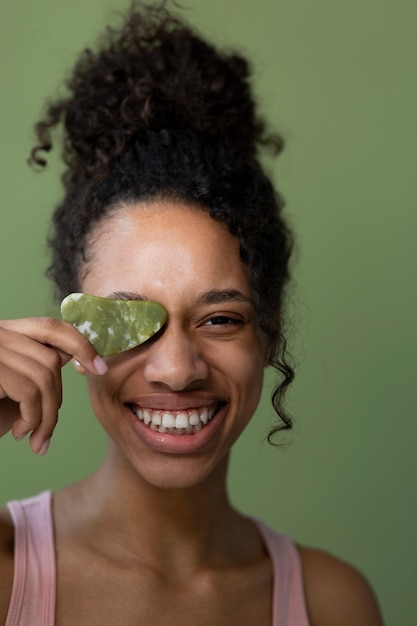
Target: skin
155,522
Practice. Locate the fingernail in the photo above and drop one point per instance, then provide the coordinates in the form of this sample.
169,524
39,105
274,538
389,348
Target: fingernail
44,448
100,365
20,431
20,437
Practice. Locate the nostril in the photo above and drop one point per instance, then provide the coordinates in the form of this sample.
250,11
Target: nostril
175,369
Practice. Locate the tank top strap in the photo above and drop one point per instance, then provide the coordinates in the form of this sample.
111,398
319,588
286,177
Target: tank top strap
288,601
34,580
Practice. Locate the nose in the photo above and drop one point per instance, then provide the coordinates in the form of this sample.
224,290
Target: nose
175,361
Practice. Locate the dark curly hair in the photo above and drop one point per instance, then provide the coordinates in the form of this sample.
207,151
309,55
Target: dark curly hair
157,112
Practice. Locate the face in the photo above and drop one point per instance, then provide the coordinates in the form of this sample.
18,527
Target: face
174,406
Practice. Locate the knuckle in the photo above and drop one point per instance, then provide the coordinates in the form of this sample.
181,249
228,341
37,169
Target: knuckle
31,392
53,360
46,377
47,323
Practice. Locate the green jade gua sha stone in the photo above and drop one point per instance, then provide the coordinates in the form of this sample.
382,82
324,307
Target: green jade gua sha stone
113,326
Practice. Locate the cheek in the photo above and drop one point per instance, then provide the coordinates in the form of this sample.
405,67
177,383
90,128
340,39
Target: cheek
101,391
243,367
105,391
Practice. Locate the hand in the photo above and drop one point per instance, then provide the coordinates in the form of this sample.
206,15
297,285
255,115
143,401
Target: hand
32,354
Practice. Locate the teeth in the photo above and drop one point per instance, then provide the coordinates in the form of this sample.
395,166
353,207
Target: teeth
156,419
194,419
181,422
168,420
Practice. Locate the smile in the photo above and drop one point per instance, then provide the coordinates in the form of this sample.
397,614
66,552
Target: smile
184,422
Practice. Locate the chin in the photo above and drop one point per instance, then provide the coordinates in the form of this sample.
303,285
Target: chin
179,473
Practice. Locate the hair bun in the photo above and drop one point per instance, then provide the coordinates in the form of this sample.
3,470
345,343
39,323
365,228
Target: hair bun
153,73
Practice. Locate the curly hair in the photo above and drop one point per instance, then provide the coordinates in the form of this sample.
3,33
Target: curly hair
158,112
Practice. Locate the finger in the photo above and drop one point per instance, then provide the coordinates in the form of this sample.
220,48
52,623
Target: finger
22,391
37,390
50,405
30,358
39,414
3,394
9,414
62,336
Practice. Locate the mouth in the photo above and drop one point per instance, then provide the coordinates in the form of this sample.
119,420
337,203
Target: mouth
182,422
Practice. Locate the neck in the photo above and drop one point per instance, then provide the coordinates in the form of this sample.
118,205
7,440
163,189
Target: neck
190,525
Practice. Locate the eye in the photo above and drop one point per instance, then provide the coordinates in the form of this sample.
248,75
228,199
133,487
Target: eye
222,320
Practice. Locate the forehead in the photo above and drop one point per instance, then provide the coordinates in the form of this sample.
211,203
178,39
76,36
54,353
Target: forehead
163,246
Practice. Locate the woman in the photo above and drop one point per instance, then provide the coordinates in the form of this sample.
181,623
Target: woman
165,200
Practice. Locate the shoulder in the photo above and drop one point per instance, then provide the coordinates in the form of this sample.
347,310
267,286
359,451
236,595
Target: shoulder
6,535
6,561
336,593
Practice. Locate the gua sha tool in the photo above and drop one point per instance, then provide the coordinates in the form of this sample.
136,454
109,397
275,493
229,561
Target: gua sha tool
113,326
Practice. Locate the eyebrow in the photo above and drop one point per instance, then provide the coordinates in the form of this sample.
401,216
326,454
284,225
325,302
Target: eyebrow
126,295
214,296
218,296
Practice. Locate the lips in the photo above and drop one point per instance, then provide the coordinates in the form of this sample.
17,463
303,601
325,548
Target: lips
178,422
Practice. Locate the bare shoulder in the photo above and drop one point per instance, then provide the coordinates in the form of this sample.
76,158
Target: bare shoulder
6,561
336,593
6,535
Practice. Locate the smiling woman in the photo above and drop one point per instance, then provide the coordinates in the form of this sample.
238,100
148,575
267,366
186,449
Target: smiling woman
204,369
165,201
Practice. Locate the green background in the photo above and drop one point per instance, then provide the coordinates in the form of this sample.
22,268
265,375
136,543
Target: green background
339,80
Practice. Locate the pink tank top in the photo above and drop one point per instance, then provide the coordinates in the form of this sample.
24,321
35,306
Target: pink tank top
34,583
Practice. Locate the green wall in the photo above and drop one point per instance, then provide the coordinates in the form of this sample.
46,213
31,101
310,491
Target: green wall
339,80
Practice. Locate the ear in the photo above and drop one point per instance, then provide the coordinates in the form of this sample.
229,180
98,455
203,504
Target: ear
78,367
